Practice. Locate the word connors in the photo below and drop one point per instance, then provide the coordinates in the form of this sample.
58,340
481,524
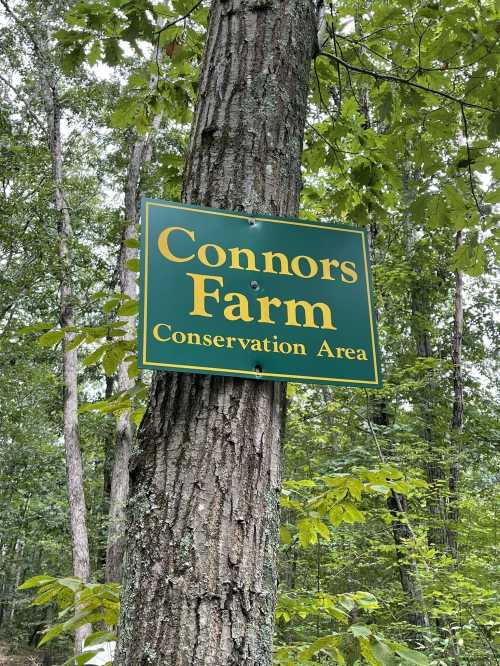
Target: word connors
301,266
206,288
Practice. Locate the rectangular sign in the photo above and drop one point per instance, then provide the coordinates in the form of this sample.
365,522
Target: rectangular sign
230,293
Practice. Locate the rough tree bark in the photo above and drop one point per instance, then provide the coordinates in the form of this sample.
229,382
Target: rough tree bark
200,577
74,465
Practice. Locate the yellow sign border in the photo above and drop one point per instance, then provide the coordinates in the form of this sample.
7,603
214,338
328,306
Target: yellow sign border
252,373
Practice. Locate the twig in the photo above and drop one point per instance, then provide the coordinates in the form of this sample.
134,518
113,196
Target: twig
395,495
359,43
166,27
335,151
484,634
181,18
322,101
340,60
469,157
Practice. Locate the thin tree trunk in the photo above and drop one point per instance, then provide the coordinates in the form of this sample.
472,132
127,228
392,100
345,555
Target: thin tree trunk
434,468
17,571
404,538
74,465
109,428
457,418
140,153
200,581
440,534
397,503
11,567
124,429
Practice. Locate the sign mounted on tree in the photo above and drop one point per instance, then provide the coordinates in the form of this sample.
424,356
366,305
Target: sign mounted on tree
230,293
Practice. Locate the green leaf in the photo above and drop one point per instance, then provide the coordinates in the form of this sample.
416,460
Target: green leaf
383,654
138,415
412,656
360,630
124,113
112,52
133,265
52,633
438,213
82,658
34,328
366,647
95,356
133,370
128,309
72,583
99,637
352,514
95,53
494,126
110,305
285,536
111,361
36,581
51,338
46,594
470,258
75,342
72,59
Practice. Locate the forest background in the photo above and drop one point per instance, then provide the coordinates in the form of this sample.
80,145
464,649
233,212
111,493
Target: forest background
388,509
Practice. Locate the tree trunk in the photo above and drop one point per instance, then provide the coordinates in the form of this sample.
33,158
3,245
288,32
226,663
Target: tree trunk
404,538
403,535
457,418
74,466
119,483
124,430
200,580
17,572
108,438
440,534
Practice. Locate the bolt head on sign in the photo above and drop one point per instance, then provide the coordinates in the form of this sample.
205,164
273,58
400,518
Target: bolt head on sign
255,296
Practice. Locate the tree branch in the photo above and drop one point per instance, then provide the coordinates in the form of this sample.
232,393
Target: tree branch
397,79
177,20
166,27
469,158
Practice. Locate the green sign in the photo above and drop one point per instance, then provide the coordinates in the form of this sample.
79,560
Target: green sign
229,293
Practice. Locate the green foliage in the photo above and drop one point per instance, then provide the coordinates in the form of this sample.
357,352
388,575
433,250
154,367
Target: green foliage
98,604
332,498
78,604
